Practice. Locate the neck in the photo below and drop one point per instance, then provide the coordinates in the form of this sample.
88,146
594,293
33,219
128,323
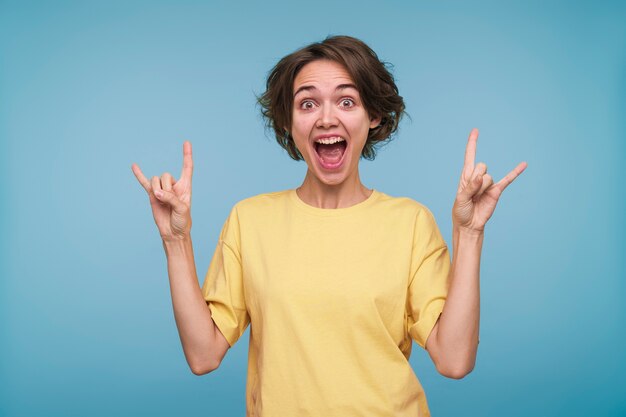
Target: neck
318,194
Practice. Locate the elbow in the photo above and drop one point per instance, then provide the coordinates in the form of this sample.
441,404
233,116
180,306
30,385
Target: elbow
456,372
203,368
457,364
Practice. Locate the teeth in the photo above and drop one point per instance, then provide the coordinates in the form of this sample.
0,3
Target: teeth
329,141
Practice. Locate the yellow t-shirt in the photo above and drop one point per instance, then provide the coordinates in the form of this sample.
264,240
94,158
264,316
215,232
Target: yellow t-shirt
334,298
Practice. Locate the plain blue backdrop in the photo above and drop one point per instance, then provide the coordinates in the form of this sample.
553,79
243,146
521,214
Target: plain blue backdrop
88,88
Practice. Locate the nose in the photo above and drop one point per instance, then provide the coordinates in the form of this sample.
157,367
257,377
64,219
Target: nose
327,117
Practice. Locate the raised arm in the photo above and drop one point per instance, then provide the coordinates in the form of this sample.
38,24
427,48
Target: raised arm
203,344
453,342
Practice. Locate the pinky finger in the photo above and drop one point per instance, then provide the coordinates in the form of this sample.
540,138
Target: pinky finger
141,178
511,176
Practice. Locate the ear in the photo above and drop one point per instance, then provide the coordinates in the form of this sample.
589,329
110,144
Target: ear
375,122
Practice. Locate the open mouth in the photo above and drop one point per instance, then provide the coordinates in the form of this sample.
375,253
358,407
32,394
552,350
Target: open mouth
331,151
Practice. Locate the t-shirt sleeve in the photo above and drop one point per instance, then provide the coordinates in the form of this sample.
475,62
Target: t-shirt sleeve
223,285
428,284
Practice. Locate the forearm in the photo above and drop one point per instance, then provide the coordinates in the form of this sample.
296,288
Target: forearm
193,317
458,328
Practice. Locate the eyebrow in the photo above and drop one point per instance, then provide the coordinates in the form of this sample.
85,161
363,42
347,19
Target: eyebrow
311,88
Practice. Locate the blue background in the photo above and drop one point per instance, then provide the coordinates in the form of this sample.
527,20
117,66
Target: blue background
86,89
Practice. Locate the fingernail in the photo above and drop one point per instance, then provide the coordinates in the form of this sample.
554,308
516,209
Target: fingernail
158,193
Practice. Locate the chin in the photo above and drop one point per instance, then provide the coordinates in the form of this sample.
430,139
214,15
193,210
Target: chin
331,181
330,178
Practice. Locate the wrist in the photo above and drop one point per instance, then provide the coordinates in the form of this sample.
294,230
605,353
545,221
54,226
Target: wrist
176,244
463,231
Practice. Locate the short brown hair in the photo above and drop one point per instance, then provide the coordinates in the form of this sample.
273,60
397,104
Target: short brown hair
371,76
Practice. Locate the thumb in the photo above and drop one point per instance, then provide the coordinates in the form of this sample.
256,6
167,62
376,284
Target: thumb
472,187
170,198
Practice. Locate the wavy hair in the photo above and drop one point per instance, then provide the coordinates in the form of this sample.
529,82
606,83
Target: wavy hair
371,76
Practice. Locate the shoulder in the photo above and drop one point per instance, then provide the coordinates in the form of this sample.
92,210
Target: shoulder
411,215
404,206
251,211
264,200
260,205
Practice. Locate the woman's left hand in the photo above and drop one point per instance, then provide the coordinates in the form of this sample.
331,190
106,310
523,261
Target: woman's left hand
477,195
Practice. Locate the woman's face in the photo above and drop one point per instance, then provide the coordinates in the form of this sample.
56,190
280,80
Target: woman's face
327,108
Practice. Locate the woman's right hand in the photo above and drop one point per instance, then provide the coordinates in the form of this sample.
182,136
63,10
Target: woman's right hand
170,199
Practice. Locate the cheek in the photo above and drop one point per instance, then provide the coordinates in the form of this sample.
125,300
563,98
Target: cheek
359,127
300,130
300,123
300,134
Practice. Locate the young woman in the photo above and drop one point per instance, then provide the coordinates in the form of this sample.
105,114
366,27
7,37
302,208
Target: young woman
336,280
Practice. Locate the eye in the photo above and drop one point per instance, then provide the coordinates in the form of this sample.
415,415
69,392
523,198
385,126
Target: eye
347,102
307,105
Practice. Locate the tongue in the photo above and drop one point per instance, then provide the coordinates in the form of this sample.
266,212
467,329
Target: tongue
331,154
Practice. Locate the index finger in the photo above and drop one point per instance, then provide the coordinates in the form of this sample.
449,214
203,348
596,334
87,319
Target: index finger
187,162
141,178
470,153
